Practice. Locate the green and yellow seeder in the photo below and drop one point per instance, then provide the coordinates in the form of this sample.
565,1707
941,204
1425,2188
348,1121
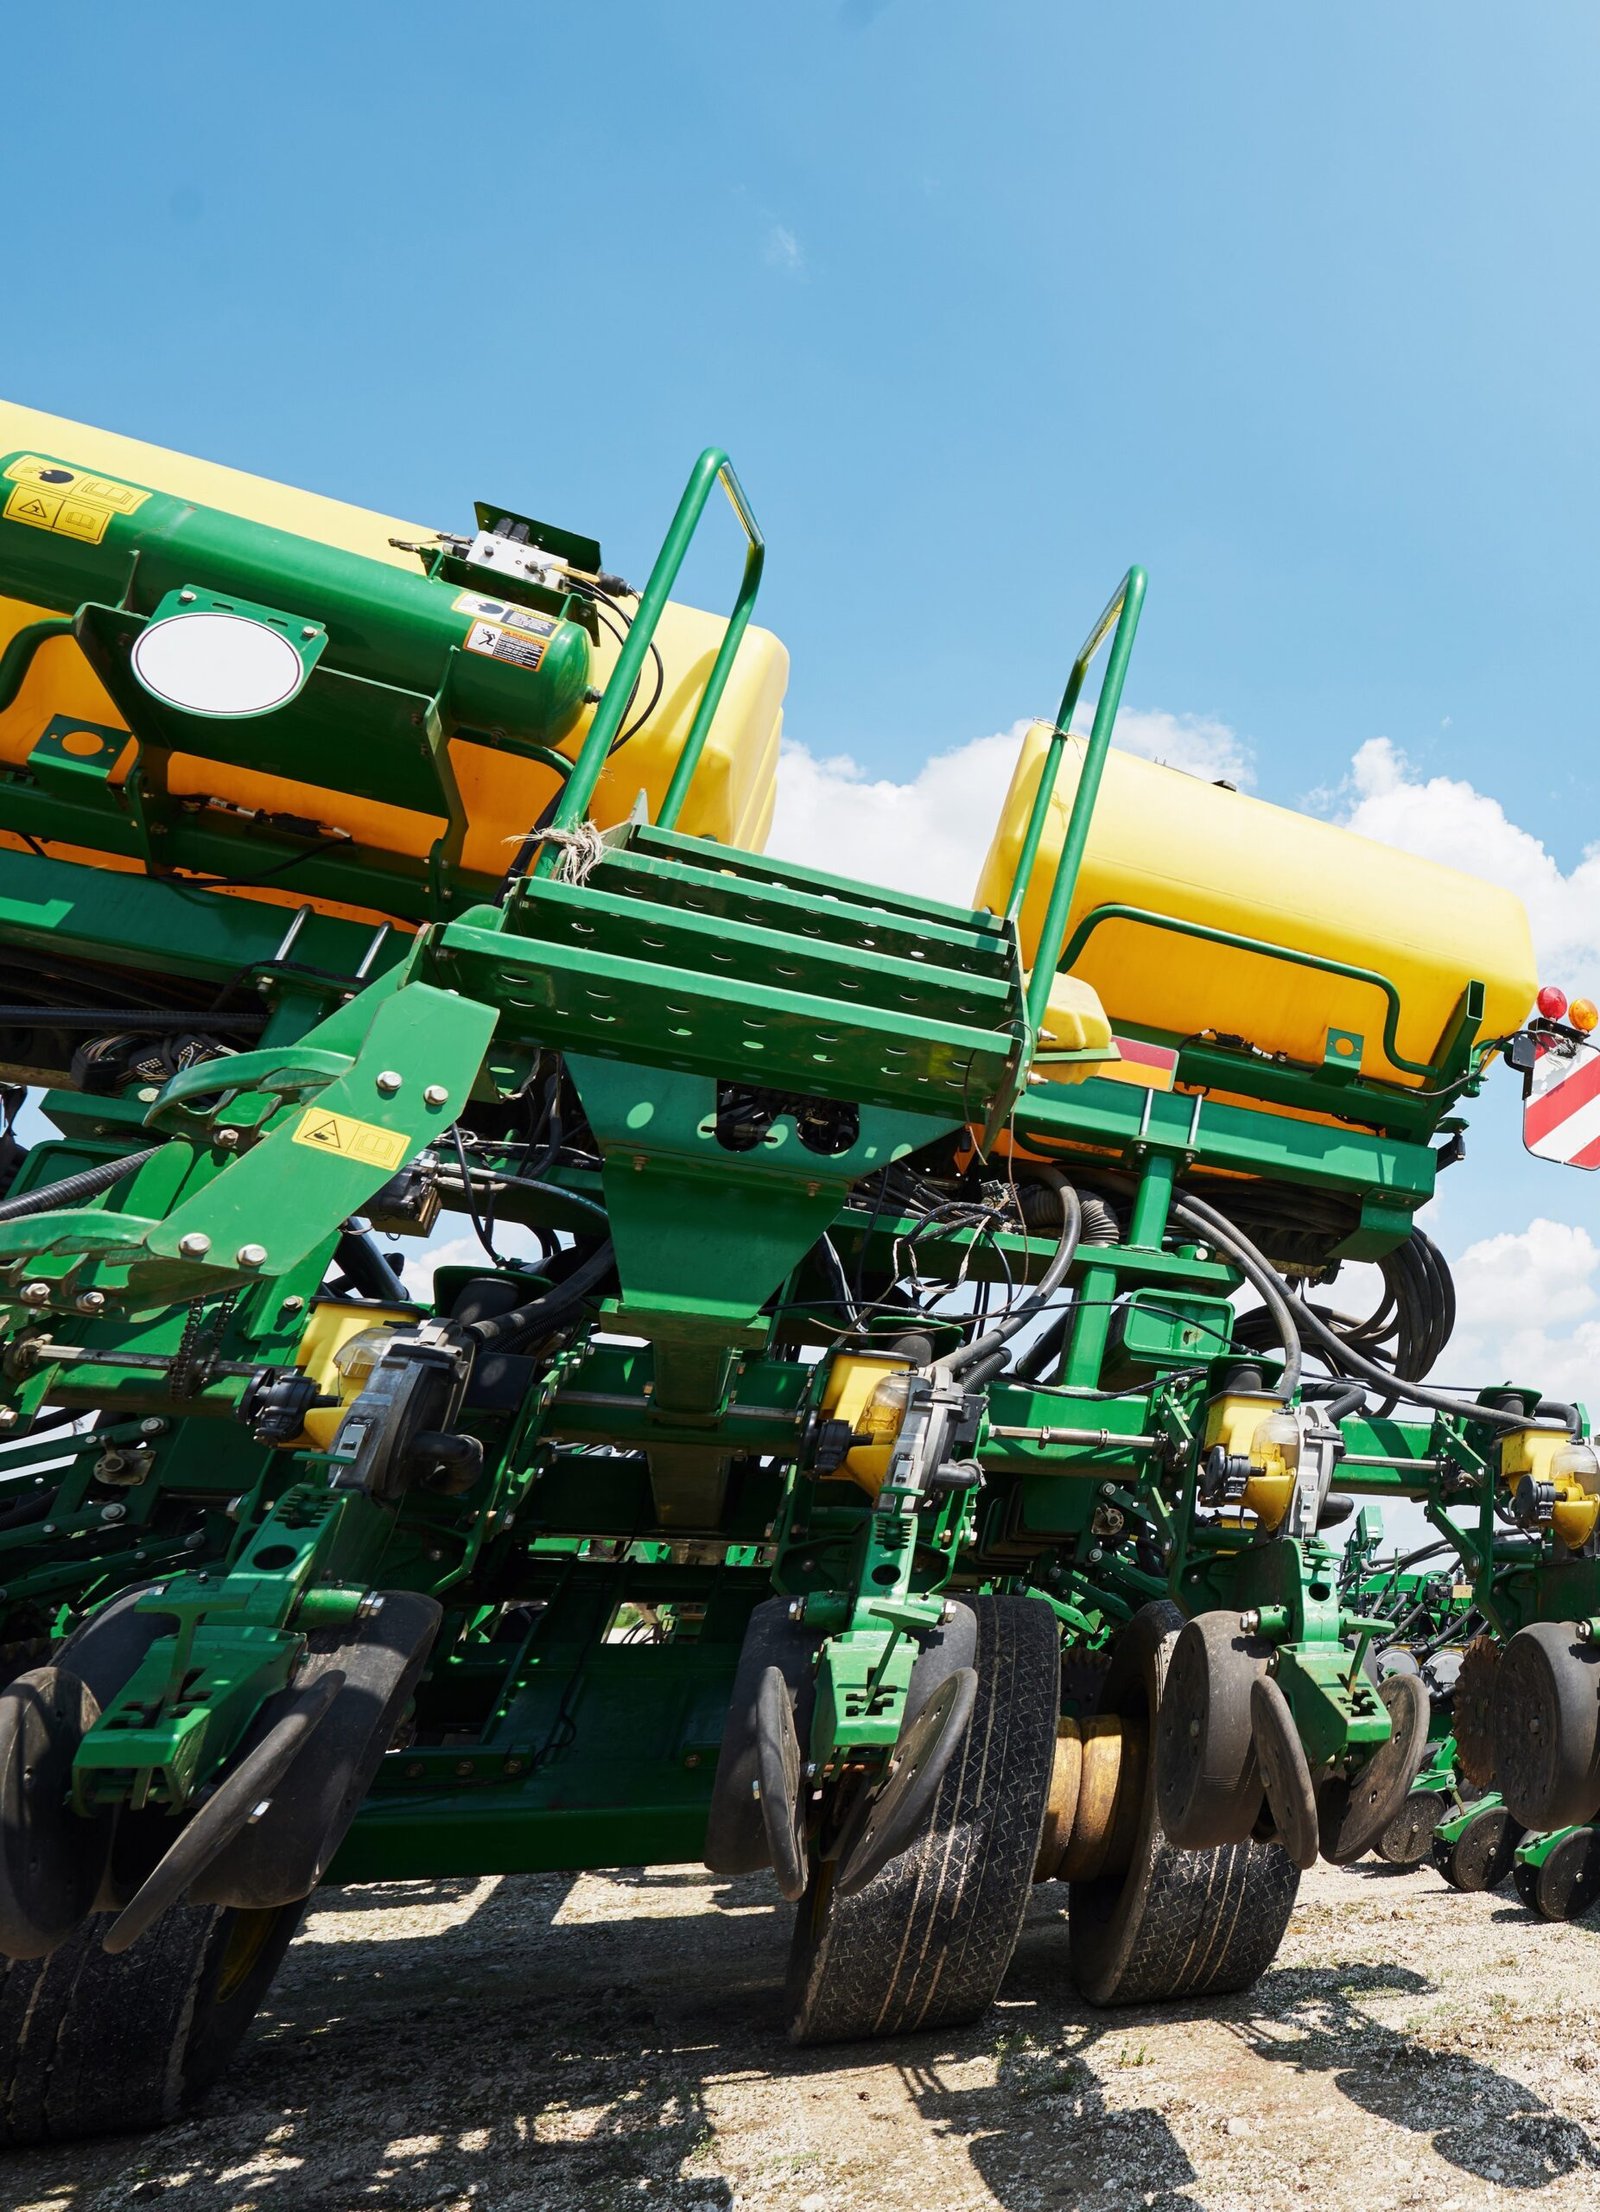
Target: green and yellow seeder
878,1419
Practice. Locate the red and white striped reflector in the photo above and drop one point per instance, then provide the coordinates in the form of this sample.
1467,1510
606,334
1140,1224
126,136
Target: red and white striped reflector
1561,1120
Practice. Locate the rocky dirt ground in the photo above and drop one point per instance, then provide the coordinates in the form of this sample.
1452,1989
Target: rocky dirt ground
545,2045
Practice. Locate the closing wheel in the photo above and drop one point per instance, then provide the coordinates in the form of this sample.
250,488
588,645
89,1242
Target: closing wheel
1408,1838
1285,1776
778,1764
1484,1852
736,1835
885,1822
926,1942
280,1858
1353,1814
52,1859
96,2045
1546,1722
1158,1922
1568,1882
1208,1785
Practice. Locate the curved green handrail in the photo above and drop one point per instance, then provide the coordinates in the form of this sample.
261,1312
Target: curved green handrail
1143,915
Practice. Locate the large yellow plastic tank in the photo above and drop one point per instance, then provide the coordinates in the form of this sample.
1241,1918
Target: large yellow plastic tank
1177,845
730,800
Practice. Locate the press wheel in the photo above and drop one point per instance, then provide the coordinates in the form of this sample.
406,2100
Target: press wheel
1567,1884
1484,1852
1352,1815
1208,1785
1407,1839
1546,1726
1155,1923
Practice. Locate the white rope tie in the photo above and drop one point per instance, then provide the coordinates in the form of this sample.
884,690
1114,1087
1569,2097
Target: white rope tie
581,849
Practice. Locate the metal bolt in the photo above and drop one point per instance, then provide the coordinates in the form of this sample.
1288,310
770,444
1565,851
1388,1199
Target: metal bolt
389,1082
1095,1555
256,1811
308,631
49,1529
514,1766
291,1305
464,1768
113,1513
947,1612
693,1759
195,1245
1249,1622
92,1301
153,1425
226,1140
797,1608
370,1605
149,1094
1585,1632
9,1417
251,1255
186,599
235,1506
35,1294
435,1095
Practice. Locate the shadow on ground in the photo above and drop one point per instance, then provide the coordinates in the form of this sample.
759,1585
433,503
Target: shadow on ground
514,2056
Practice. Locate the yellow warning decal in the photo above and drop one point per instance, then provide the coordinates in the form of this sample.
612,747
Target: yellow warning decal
52,496
353,1140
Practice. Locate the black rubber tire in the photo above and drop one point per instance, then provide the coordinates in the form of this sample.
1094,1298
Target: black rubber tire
1172,1923
1408,1839
927,1942
1483,1854
736,1835
1208,1782
1547,1727
1568,1883
281,1858
95,2045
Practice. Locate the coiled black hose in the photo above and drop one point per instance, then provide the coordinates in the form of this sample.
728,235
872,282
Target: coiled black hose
89,1183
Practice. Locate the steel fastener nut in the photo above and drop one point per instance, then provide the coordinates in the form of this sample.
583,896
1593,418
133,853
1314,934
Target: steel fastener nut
1249,1622
389,1082
195,1245
35,1294
92,1301
251,1255
435,1095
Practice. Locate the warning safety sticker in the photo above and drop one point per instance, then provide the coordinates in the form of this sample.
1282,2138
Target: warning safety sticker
505,645
353,1140
503,611
51,496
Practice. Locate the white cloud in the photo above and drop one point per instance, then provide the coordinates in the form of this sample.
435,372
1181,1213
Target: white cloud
783,250
931,834
1445,819
1529,1310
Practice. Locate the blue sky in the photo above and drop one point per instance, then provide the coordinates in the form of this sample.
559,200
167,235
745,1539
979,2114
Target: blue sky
1294,305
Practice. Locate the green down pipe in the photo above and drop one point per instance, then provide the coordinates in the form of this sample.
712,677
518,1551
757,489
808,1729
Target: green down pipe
19,655
1123,611
574,808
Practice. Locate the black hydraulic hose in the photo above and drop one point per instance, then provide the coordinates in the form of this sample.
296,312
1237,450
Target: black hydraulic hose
979,1349
367,1266
89,1183
540,1316
1337,1399
1262,1278
1328,1341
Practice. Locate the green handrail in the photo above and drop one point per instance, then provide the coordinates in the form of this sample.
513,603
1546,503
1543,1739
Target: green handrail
1122,610
712,466
1235,943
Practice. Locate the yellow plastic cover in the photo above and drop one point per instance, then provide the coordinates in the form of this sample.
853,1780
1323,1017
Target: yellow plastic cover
1176,845
732,795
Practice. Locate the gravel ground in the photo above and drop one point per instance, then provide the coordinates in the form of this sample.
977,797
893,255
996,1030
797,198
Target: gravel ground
554,2045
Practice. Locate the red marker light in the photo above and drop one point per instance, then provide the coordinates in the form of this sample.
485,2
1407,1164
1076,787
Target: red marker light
1583,1014
1552,1002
